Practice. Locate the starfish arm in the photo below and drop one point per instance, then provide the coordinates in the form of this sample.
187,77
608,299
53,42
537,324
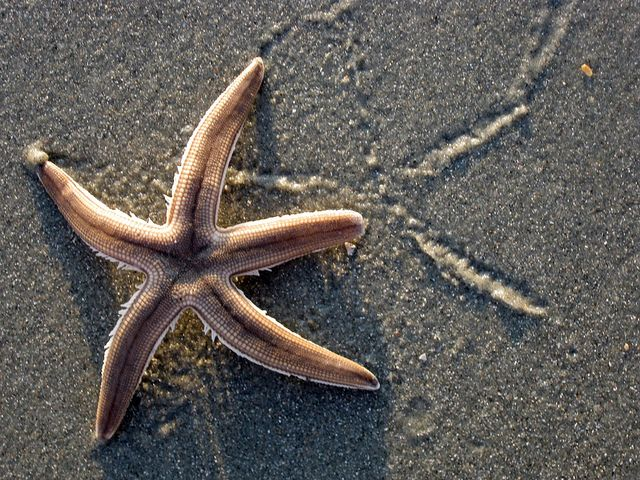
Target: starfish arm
112,233
252,334
252,246
141,328
196,192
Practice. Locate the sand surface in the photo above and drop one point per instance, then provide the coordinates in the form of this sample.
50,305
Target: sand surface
494,294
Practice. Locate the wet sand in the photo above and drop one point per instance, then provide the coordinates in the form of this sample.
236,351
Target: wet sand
494,294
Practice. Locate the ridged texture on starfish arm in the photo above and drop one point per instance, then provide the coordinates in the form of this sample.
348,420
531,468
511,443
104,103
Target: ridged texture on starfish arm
252,334
189,262
196,194
110,232
266,243
141,328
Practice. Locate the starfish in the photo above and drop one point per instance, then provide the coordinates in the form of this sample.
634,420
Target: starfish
190,261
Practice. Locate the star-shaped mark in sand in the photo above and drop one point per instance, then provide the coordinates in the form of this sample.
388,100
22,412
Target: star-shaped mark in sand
189,262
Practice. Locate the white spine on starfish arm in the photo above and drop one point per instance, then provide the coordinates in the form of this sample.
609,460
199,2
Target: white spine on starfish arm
148,221
123,313
120,264
185,154
172,327
116,212
253,360
263,312
124,308
207,328
224,174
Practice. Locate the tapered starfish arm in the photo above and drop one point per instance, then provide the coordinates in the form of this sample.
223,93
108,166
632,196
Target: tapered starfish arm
135,339
252,334
196,194
110,232
265,243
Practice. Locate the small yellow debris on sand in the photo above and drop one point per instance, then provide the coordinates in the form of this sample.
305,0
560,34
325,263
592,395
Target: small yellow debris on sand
587,70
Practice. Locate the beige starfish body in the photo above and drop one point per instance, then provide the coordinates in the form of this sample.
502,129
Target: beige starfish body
189,262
